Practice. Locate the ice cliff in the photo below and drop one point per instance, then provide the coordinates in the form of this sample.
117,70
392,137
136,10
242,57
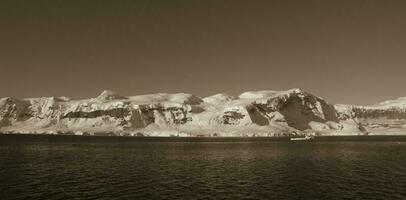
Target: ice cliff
255,113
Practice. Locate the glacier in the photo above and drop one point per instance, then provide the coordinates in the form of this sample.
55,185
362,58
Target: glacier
251,114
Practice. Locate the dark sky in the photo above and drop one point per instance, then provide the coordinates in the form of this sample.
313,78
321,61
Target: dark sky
347,51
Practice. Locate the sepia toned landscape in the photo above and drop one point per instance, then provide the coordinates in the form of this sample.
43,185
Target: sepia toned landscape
209,99
251,114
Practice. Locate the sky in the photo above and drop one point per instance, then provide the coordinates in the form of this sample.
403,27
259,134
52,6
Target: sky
346,51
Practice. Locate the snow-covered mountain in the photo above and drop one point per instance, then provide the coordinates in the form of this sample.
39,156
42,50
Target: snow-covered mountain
254,113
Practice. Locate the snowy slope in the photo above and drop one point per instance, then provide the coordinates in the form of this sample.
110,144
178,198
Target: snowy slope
253,113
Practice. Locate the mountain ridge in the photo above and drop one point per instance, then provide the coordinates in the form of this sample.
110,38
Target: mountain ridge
252,113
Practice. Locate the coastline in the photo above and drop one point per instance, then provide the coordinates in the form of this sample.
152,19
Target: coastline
211,139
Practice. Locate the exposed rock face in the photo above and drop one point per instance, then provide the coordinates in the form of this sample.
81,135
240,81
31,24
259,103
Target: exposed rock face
373,113
298,109
259,113
385,118
13,110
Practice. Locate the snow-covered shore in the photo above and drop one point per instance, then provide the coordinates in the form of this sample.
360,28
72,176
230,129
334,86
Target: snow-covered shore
251,114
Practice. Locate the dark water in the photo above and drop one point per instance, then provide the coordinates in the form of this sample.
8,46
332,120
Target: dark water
71,167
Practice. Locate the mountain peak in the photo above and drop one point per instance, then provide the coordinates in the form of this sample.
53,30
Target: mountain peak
110,95
218,98
296,90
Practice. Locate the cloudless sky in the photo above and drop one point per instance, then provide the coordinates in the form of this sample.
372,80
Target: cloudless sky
347,51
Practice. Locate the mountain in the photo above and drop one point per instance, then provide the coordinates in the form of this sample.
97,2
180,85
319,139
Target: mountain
253,113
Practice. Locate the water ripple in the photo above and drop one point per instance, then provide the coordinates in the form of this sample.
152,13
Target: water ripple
221,170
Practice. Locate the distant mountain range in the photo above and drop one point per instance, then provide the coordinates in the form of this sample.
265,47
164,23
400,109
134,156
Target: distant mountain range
254,113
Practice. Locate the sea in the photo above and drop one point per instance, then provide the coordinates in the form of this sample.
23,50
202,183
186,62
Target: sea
97,167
